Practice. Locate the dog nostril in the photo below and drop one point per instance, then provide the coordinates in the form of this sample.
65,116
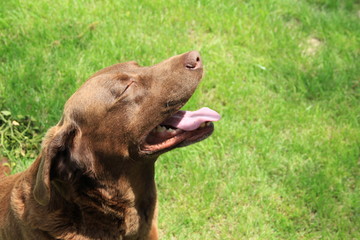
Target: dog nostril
190,65
193,60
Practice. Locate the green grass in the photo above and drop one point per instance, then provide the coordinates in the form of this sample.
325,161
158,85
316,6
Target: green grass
284,161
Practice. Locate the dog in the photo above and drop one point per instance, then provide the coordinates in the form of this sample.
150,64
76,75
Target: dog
94,176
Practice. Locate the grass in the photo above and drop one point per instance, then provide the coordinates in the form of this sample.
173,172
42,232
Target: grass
284,161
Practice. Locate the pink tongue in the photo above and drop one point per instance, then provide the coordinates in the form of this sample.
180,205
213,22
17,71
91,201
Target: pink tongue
188,120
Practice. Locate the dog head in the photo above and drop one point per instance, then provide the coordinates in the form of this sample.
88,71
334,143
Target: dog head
124,112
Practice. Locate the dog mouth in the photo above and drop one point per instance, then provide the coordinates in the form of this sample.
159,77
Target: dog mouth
181,129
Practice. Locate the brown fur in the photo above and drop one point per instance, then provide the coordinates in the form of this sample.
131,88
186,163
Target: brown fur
92,180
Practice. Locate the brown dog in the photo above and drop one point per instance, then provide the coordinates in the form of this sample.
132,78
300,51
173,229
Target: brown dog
94,177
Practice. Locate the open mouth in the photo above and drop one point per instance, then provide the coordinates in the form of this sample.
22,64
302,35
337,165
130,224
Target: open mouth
181,129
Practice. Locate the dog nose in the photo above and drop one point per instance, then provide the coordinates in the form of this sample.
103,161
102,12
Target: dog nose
193,60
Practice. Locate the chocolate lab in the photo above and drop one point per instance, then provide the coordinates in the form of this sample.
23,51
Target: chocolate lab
94,177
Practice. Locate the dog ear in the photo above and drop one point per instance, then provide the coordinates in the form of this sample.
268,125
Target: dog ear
56,153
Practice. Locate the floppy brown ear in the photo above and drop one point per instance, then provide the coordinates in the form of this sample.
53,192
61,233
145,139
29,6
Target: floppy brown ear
56,151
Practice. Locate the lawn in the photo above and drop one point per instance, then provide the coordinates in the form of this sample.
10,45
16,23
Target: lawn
284,161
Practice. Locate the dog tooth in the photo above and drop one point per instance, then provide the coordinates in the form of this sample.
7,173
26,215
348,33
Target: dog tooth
202,125
161,129
208,123
170,130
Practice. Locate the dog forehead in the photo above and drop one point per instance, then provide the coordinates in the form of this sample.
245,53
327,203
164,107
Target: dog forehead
88,102
131,67
104,85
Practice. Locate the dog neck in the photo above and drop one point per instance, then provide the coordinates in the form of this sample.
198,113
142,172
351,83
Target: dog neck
97,206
